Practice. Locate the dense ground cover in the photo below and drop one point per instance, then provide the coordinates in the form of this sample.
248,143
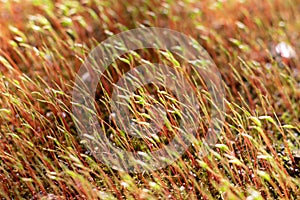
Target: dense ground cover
255,45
